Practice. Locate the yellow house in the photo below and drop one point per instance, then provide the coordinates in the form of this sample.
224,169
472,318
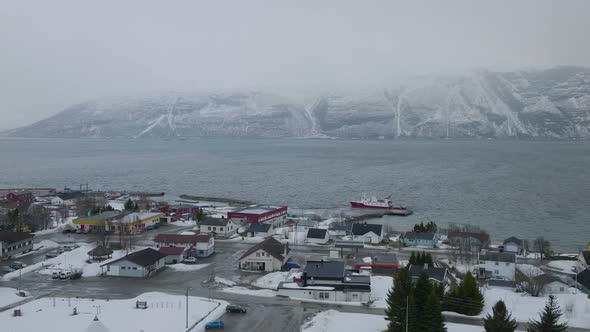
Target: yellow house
114,220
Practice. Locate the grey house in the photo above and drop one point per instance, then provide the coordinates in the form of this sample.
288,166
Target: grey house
514,245
435,274
14,243
139,264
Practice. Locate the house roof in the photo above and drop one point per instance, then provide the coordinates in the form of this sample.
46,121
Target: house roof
419,236
100,251
215,222
436,273
12,237
384,259
143,257
584,278
316,233
507,257
324,269
259,228
307,223
513,239
481,237
364,228
586,256
68,196
501,283
171,250
179,238
271,246
547,278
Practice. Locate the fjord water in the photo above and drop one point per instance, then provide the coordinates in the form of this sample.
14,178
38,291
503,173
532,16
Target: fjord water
522,188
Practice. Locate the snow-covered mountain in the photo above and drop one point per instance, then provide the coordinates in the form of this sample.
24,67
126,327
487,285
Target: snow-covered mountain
552,103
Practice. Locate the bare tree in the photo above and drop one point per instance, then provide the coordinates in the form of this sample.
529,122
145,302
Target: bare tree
542,246
530,282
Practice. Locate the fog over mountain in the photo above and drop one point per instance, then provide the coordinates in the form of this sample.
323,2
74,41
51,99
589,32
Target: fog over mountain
550,104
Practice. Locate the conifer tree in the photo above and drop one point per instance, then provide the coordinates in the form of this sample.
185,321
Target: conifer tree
500,320
398,299
421,296
428,259
129,205
549,321
412,259
436,322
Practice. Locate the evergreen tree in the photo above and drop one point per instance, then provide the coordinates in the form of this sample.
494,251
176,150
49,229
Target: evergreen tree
420,259
500,320
471,296
412,259
421,296
129,206
398,299
549,319
428,259
436,322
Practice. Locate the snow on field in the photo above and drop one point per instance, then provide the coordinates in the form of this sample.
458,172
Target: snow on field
272,280
164,313
224,281
187,267
248,291
380,286
8,296
335,321
58,226
45,244
69,260
576,307
529,270
117,205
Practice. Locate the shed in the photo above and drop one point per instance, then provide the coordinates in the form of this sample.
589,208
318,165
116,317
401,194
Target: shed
100,253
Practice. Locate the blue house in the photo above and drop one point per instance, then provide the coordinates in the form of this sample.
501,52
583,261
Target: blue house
413,239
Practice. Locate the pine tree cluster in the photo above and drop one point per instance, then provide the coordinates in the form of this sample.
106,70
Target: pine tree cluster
464,299
417,304
430,227
421,259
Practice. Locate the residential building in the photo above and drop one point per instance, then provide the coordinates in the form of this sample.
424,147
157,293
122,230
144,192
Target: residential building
256,214
14,243
173,254
19,198
367,233
469,241
260,230
551,285
139,264
67,198
317,235
435,274
384,264
497,265
269,255
584,258
202,245
514,245
115,220
414,239
328,281
221,228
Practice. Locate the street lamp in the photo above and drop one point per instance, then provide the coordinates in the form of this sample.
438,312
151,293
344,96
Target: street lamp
187,289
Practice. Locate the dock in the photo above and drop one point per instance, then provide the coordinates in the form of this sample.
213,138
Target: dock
216,199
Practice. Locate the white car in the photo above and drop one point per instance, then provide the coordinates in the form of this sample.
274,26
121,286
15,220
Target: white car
190,260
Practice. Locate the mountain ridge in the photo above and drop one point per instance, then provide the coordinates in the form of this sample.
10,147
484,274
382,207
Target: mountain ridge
546,104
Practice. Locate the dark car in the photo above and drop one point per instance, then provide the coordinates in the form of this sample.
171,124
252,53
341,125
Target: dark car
235,309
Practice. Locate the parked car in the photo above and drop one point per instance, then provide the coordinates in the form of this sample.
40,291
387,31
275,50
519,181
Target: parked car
52,254
55,275
76,275
17,265
234,308
65,274
68,248
216,324
190,260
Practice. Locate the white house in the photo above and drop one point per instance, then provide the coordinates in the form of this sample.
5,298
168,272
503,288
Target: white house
173,254
260,230
202,245
268,255
551,285
514,245
317,235
328,281
14,243
498,265
367,233
139,264
221,228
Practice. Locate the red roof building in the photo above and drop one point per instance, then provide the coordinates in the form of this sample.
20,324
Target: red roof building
256,214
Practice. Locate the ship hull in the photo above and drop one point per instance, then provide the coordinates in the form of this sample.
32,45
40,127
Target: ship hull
402,211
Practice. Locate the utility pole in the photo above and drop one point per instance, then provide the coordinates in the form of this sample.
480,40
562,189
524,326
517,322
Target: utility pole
407,306
187,289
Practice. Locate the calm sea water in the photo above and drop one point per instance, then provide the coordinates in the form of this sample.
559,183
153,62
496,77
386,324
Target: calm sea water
518,188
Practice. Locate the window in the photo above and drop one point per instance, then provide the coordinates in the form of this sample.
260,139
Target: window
507,264
496,263
134,268
257,254
496,272
221,229
214,228
122,268
561,289
209,228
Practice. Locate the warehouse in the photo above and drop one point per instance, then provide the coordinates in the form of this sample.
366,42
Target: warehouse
114,220
255,214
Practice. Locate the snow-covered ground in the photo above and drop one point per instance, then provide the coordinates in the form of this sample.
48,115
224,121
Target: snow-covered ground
58,226
335,321
248,291
565,267
273,279
8,296
224,281
187,267
183,223
164,313
529,270
116,204
45,244
576,307
69,260
380,286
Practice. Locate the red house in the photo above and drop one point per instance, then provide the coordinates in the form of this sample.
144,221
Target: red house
21,198
256,214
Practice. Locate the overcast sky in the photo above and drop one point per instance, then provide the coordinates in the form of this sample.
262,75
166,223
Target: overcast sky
57,53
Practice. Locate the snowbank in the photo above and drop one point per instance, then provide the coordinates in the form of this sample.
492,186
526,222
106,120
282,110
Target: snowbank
247,291
529,270
164,313
271,280
335,321
8,296
45,244
224,281
380,286
187,267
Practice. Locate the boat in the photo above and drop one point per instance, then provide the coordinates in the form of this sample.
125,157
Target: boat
381,204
